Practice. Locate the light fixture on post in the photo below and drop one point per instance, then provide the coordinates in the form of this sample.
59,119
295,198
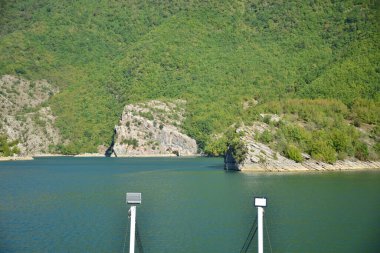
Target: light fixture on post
260,203
133,198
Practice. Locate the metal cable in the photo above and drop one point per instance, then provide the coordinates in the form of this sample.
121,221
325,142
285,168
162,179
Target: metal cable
266,228
139,244
125,237
250,241
249,237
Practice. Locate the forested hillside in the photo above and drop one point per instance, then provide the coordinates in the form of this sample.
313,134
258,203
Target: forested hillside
230,60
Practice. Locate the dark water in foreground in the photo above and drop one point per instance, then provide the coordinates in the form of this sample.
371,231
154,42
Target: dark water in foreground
189,205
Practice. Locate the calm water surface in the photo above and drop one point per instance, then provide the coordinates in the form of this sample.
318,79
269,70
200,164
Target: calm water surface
189,205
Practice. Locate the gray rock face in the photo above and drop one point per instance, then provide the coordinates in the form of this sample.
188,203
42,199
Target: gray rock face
153,128
229,162
23,116
260,157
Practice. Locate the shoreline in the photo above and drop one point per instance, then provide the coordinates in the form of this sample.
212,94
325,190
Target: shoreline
31,157
135,155
89,155
16,158
50,155
157,155
305,167
312,166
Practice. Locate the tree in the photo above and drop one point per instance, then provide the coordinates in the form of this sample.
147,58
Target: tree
8,148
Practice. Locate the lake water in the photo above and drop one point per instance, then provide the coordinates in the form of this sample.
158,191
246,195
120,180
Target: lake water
189,205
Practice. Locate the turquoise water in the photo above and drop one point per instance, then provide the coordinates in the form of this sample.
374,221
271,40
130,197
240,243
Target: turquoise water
189,205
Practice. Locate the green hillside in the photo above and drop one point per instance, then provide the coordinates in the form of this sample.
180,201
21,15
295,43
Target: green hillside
217,55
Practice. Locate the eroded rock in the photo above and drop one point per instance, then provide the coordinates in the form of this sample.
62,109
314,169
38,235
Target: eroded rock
260,157
23,116
153,128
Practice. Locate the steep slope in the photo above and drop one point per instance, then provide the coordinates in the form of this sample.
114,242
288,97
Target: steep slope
217,55
25,117
153,128
279,145
354,76
217,59
261,157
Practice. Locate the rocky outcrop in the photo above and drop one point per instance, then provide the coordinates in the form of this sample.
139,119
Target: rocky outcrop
260,157
230,162
153,129
24,117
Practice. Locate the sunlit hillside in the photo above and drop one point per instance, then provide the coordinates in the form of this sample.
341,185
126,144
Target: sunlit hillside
230,60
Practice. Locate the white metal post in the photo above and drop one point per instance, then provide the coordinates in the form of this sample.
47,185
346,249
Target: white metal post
260,214
133,228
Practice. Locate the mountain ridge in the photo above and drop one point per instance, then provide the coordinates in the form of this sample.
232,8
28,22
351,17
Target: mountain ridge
215,55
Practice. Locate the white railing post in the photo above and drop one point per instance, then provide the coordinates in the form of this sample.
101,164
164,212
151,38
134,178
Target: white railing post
133,199
260,213
133,230
260,203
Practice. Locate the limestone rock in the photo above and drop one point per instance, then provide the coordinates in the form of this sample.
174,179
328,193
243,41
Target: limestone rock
23,116
153,128
261,157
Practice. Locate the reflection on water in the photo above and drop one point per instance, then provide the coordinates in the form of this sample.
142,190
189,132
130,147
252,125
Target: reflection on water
189,205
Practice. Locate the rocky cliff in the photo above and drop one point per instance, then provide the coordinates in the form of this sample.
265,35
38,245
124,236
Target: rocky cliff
260,157
153,128
23,115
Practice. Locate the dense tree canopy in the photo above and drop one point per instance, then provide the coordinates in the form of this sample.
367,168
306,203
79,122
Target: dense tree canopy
217,55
